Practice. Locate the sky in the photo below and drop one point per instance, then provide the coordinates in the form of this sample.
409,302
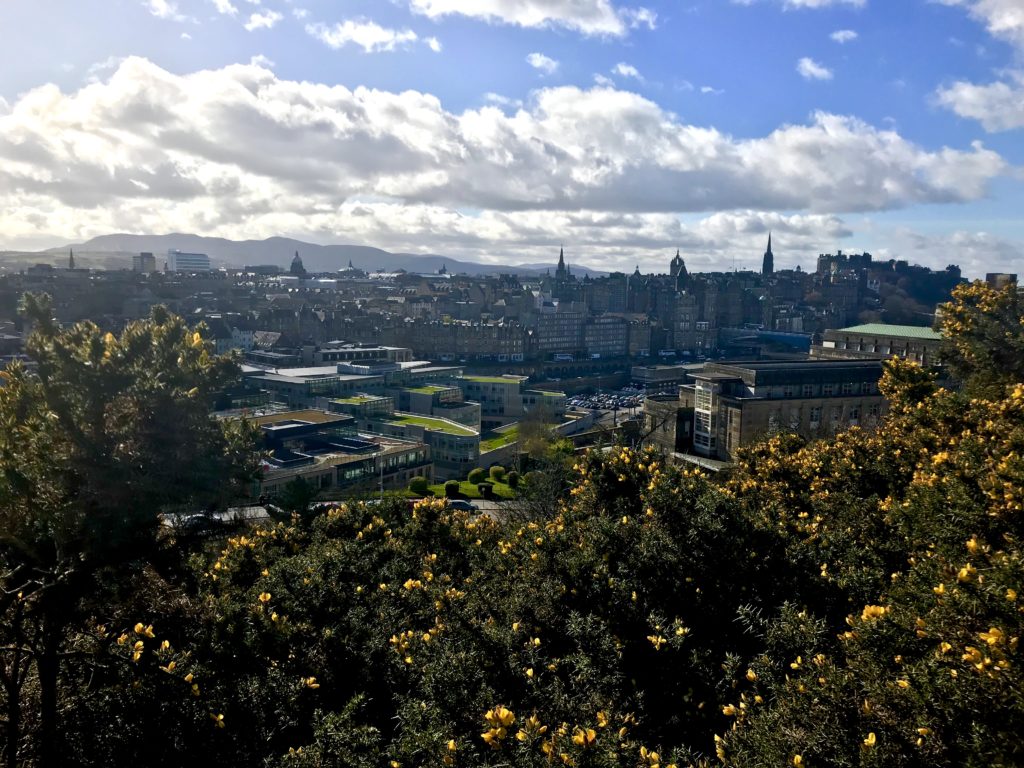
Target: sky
499,130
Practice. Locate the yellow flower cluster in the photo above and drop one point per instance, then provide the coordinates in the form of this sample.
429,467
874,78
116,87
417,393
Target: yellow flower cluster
500,719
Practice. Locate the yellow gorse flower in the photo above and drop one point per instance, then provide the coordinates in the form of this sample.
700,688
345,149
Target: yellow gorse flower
584,737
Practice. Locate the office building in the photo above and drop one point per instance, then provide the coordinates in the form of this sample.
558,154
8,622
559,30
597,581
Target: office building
144,262
726,406
178,261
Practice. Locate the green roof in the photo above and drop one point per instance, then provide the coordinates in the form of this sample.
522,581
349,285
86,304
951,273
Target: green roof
500,439
437,425
491,380
544,393
428,390
883,329
359,400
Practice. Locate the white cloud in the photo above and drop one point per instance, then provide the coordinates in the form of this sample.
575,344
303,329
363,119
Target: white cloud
843,36
810,4
809,69
1004,19
502,101
604,81
590,17
622,69
640,17
997,106
710,90
368,35
433,44
263,20
225,7
300,13
823,3
241,152
165,9
544,63
186,36
259,60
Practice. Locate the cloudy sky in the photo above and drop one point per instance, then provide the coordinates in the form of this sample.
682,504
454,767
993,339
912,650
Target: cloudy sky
495,130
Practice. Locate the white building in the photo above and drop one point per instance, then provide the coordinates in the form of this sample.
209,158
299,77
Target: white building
178,261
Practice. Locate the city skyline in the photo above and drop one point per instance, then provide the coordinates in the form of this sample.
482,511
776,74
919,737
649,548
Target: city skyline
490,130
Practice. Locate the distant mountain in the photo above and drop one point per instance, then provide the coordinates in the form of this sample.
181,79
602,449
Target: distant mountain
110,250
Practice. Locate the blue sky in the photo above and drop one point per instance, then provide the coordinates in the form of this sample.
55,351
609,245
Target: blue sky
496,129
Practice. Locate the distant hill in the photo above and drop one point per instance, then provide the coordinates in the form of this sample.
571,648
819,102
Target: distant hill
110,251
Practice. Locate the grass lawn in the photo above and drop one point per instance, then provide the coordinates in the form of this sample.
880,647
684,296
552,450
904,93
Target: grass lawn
468,490
428,423
491,380
500,439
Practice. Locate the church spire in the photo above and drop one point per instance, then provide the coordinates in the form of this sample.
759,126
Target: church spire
560,272
71,259
768,264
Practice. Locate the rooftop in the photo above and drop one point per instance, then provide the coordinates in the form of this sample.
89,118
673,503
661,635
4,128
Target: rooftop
308,416
501,438
428,389
495,379
357,400
883,329
436,425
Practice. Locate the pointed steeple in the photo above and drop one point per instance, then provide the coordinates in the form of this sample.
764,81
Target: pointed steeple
560,272
71,259
768,264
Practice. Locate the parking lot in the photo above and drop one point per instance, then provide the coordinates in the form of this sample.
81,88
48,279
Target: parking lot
624,399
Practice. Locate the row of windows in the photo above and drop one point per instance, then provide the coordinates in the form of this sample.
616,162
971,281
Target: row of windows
830,389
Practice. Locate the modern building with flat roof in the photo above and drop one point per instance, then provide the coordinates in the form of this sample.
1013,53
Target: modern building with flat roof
178,261
454,448
727,406
326,451
879,341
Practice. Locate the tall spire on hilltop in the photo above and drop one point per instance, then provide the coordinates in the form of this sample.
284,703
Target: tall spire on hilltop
71,259
768,264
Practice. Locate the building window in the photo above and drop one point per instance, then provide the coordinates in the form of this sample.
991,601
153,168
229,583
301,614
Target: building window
815,416
808,390
828,390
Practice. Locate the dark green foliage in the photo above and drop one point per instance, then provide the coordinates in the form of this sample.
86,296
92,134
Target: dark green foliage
297,496
477,475
419,485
